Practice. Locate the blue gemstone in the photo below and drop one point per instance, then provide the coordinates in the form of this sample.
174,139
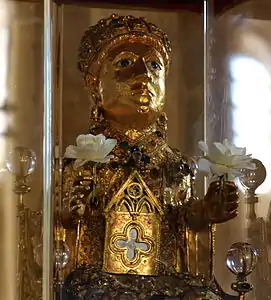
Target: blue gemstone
244,286
116,23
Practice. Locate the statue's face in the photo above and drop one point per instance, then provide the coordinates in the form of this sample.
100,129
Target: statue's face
132,85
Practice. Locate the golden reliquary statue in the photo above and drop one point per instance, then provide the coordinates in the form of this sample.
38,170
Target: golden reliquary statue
130,221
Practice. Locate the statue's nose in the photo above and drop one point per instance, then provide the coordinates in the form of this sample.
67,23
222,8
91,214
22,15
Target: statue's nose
140,81
141,68
138,70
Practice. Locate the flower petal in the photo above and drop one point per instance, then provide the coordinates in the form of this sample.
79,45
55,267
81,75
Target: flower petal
203,146
90,147
233,149
225,159
101,137
103,159
220,147
251,166
241,161
220,170
97,142
81,140
215,155
79,163
204,165
106,148
71,152
89,139
84,153
238,150
110,144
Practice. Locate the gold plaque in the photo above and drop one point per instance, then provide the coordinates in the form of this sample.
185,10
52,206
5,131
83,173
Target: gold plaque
133,222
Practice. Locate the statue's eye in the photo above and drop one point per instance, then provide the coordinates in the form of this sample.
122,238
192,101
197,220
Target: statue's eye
155,65
124,63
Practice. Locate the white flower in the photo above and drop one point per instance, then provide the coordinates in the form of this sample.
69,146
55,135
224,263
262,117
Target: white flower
224,160
95,148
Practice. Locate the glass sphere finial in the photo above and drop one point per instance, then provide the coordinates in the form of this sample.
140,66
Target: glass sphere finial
21,161
62,254
241,259
252,179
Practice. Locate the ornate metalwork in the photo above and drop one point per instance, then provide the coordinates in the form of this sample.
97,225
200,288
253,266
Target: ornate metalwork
133,225
141,214
258,232
21,163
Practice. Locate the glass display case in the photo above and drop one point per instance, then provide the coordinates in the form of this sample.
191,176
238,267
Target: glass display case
110,114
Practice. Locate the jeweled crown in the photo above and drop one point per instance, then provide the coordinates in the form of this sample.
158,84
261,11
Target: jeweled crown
116,29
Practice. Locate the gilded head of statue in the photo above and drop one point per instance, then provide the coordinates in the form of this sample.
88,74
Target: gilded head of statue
124,61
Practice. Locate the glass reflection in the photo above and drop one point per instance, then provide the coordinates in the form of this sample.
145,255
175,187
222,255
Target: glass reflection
251,112
241,99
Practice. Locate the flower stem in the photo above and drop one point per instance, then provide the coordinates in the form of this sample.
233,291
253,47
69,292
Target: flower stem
94,171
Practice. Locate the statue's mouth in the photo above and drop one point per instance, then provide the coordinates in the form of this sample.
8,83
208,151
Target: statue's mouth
142,98
143,92
143,89
143,109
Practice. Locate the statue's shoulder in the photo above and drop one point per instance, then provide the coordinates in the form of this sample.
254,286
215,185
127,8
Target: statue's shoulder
176,155
178,166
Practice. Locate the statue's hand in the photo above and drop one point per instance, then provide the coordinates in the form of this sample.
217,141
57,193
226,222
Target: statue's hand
221,202
74,205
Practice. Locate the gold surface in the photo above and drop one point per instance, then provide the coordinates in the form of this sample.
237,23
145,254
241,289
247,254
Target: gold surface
179,91
116,30
131,85
134,207
114,210
169,221
29,262
141,217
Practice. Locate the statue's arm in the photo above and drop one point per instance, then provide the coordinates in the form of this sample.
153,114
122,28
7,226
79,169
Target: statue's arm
180,178
219,205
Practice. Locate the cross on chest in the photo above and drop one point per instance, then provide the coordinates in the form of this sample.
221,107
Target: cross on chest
132,244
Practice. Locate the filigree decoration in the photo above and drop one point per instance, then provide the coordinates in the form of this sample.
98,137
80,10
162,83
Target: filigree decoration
133,229
29,271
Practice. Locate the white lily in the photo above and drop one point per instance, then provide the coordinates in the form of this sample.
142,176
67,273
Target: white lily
224,159
94,148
